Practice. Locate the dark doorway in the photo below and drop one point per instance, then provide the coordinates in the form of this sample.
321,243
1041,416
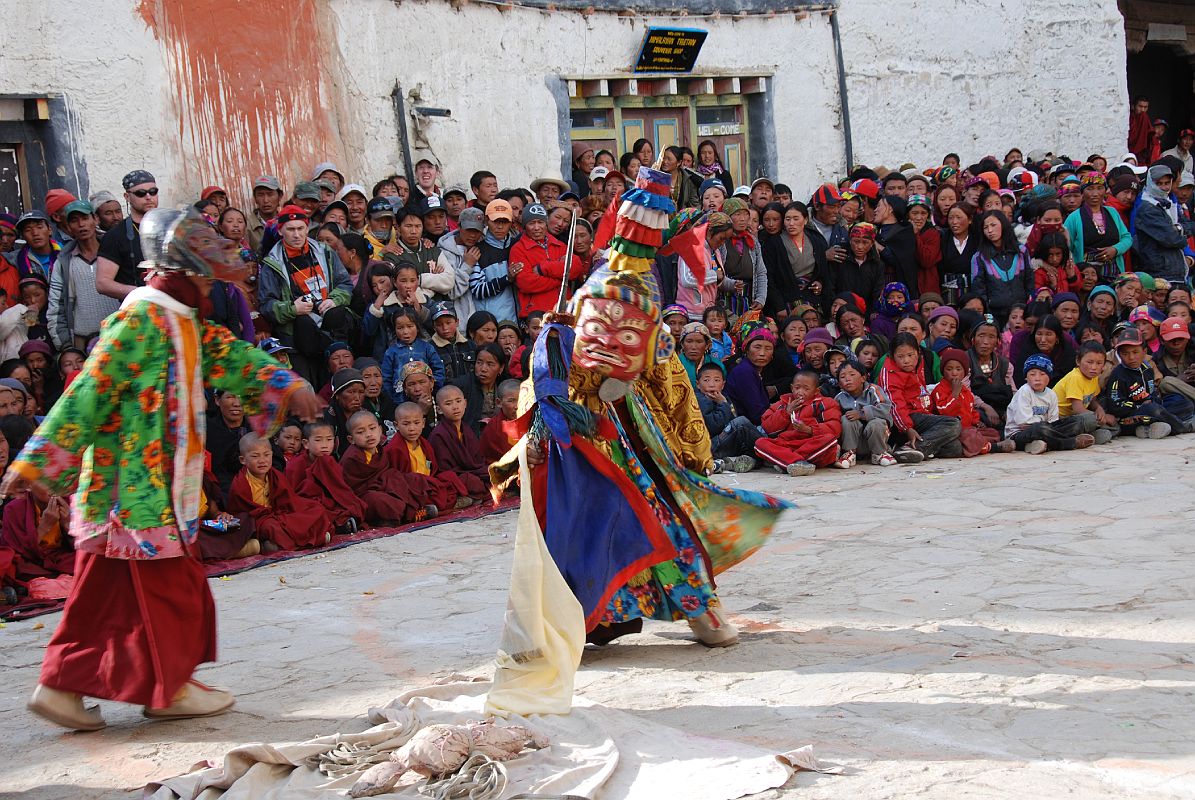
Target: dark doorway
1163,74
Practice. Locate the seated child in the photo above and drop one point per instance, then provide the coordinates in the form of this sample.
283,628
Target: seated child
501,431
456,446
802,429
390,499
279,515
869,352
1079,394
866,417
223,535
408,347
721,345
732,437
902,377
316,475
1033,422
1132,394
287,444
953,398
834,358
412,455
894,303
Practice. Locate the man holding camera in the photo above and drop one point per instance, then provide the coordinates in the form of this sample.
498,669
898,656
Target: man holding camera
304,290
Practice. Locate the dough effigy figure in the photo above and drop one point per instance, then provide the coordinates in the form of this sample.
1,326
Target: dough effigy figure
128,438
619,522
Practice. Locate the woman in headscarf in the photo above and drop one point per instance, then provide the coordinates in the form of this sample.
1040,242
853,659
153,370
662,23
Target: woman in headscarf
1160,229
1097,236
929,244
743,261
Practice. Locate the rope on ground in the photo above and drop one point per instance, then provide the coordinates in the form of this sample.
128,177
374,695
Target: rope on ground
347,758
479,778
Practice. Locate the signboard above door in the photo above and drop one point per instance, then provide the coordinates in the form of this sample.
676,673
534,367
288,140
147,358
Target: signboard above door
670,49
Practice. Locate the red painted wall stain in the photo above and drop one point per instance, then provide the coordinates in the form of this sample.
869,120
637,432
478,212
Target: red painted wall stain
248,82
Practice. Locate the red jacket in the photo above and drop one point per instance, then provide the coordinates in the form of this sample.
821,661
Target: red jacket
543,269
943,402
929,256
822,415
908,393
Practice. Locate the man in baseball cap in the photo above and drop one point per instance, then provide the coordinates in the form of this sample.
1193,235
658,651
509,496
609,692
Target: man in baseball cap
76,309
35,258
1176,358
762,190
267,199
380,232
461,251
326,170
355,197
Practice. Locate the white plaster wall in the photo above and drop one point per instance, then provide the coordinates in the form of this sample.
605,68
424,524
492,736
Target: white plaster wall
926,77
102,58
490,67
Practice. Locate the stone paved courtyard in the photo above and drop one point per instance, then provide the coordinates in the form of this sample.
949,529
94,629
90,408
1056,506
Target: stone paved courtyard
1009,626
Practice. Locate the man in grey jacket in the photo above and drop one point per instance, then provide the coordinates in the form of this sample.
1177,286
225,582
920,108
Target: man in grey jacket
75,308
1161,228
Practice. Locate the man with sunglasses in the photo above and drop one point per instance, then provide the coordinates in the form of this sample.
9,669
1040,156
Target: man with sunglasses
118,268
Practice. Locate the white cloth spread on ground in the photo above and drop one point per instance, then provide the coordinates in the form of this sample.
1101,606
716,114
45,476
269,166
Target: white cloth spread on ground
595,752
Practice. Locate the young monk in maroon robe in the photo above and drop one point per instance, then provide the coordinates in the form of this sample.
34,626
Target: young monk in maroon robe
501,432
315,475
456,446
389,497
35,526
279,515
412,455
222,535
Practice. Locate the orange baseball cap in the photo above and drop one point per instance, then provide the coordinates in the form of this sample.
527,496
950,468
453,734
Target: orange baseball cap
500,209
1174,328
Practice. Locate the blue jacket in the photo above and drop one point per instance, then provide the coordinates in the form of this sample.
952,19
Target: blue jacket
399,354
1159,242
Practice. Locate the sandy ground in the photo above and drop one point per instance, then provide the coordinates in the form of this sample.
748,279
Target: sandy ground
1011,626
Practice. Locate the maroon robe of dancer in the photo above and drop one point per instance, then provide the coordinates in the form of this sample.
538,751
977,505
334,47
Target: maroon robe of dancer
322,480
389,498
289,521
37,556
442,486
158,616
458,449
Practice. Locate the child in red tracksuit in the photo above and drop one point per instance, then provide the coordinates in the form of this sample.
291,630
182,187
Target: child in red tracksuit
927,434
802,429
953,398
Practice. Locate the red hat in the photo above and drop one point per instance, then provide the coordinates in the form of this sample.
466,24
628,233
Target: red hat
826,194
58,199
1174,328
211,190
290,214
1186,132
866,187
